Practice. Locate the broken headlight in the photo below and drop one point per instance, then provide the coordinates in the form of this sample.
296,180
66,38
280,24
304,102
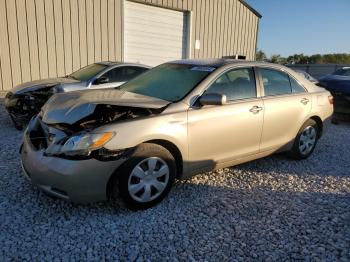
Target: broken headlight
82,144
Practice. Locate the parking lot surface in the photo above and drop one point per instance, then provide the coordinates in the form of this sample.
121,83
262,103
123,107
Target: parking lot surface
270,209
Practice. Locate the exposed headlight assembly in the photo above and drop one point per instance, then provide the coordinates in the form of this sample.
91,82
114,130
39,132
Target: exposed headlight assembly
81,145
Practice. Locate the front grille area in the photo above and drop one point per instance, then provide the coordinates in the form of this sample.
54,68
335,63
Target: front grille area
37,135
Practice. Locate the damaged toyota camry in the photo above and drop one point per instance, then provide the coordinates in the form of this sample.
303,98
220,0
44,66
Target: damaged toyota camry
172,122
25,100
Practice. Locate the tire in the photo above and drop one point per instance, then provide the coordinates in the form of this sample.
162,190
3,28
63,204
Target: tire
137,188
306,140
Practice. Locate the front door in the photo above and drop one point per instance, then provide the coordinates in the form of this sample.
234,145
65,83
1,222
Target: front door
219,134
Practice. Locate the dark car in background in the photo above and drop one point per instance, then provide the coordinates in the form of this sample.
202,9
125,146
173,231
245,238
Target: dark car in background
25,100
338,83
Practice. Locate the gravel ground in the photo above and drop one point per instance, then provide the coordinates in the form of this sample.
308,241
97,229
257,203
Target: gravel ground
270,209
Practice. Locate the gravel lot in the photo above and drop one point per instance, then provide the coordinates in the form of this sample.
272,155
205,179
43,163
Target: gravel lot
270,209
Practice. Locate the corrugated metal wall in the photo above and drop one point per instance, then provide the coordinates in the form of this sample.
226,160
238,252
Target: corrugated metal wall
224,27
49,38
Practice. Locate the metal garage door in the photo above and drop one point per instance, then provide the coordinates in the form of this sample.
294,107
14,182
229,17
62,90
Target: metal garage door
153,35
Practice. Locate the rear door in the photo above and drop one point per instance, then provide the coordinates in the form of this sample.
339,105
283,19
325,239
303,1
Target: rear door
218,134
287,105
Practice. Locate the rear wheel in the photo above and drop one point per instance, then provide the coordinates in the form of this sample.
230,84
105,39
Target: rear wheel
146,178
306,140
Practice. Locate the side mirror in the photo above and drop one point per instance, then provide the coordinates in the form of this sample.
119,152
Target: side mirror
101,80
212,99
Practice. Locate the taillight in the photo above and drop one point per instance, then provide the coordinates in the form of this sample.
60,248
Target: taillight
330,100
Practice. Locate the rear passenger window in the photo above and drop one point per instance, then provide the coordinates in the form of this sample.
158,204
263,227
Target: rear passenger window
296,87
236,84
275,82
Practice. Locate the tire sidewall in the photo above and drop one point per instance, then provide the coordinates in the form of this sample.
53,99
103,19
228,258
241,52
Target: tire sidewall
142,152
296,150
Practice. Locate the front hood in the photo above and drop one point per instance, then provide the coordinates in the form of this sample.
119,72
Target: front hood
37,84
336,83
69,108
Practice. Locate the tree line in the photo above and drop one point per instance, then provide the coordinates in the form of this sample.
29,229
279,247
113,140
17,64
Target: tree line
304,59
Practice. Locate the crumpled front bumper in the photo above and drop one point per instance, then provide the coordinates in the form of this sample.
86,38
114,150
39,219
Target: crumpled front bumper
20,109
79,181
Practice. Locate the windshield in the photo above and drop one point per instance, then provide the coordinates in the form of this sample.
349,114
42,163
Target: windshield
342,72
170,82
88,72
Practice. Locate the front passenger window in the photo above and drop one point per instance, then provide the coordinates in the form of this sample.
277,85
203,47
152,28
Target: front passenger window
235,84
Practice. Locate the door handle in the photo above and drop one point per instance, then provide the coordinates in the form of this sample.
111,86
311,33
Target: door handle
304,101
255,109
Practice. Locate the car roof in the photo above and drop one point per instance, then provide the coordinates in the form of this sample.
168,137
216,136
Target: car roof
219,62
115,63
108,63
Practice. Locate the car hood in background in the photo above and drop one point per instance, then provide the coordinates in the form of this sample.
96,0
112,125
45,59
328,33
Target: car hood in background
336,83
35,85
69,108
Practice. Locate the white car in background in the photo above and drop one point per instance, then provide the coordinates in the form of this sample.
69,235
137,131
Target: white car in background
25,100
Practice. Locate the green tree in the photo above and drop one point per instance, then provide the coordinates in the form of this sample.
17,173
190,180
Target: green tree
260,55
316,59
319,59
277,59
305,59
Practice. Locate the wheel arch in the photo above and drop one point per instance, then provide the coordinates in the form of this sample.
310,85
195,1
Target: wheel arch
171,147
174,150
319,123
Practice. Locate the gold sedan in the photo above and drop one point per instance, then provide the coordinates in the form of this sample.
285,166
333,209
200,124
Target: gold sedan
174,121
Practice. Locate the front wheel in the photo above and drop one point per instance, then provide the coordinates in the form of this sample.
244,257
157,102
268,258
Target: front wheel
147,177
306,140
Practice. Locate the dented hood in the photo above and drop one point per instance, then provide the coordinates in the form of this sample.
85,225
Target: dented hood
37,84
68,108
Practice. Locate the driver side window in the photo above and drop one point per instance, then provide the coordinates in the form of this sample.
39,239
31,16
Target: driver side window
236,84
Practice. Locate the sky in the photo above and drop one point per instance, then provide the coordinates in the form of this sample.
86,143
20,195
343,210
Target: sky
303,26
